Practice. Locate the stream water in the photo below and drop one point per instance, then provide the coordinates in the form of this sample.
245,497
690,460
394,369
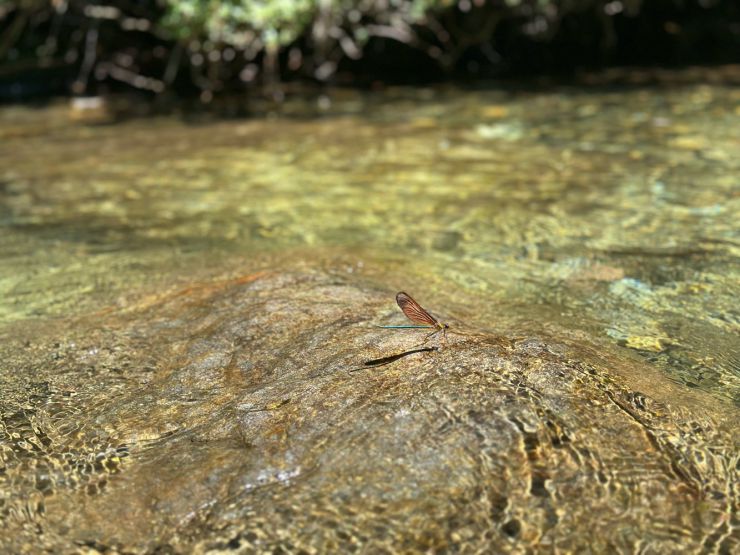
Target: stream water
614,212
155,394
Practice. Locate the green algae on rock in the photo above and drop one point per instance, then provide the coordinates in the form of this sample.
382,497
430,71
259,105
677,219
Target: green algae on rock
242,416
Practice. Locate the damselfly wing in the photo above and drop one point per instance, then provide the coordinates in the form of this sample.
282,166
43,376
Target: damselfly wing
417,314
414,311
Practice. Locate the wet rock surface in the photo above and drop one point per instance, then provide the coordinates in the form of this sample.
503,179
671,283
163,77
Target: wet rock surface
269,414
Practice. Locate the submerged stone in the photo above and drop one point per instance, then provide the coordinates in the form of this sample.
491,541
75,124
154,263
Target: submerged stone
268,413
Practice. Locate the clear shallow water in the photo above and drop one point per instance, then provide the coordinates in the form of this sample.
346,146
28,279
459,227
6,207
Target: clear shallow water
613,214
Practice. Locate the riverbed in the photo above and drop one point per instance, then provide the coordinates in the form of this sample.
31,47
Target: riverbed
602,219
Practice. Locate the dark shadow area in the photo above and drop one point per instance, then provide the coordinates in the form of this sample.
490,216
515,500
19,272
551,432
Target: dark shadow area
167,52
393,358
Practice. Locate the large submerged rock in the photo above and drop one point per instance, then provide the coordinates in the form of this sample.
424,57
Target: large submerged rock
268,414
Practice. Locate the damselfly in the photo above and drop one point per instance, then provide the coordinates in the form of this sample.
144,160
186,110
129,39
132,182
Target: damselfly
419,316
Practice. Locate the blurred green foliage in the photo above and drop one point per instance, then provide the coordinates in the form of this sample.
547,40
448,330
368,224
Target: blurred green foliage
276,22
272,24
218,45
